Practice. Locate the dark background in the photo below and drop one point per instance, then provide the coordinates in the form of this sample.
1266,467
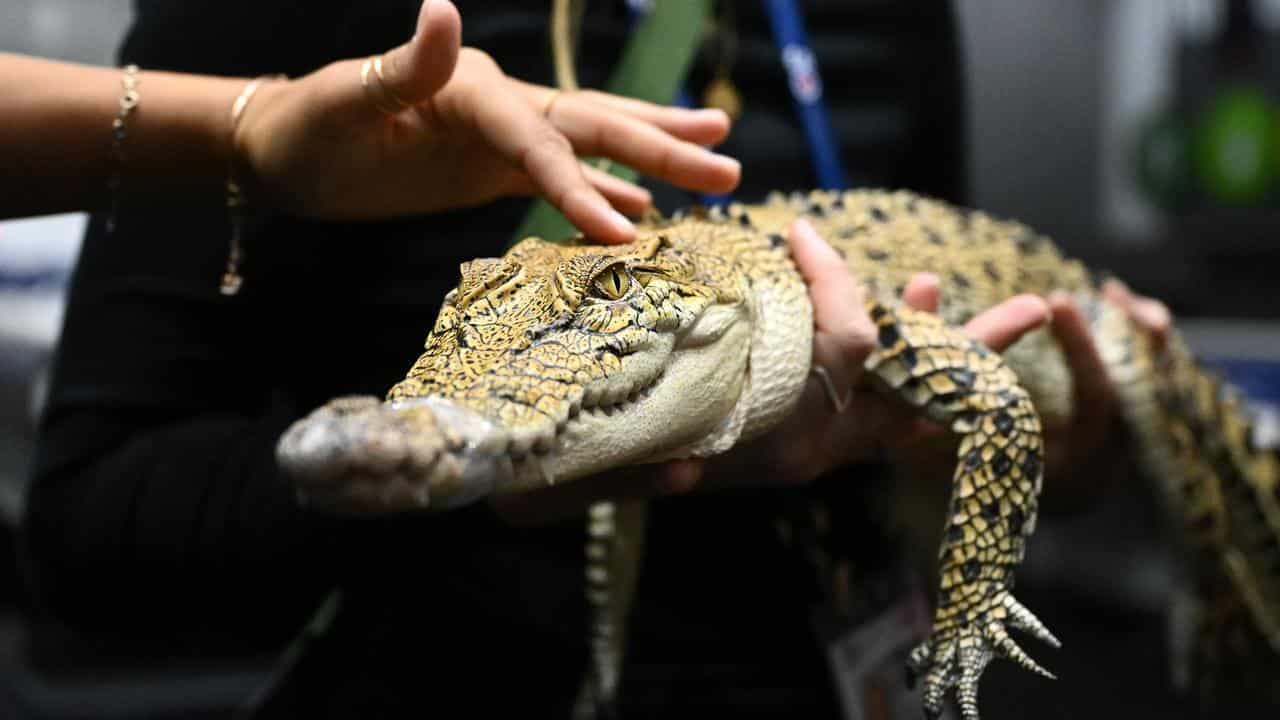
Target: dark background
1062,93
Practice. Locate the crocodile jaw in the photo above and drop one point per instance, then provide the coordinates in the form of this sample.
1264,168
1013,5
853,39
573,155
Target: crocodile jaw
676,396
691,402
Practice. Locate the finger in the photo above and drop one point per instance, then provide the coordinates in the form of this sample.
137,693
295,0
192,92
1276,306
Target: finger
1000,326
414,71
556,173
595,130
922,292
520,134
1091,384
1074,337
836,296
628,198
1152,315
704,126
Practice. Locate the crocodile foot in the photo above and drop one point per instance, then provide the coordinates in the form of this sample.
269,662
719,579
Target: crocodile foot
952,659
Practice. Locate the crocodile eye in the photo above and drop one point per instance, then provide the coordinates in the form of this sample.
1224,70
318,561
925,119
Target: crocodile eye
613,283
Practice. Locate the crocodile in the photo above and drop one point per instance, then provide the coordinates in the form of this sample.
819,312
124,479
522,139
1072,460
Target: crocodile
559,361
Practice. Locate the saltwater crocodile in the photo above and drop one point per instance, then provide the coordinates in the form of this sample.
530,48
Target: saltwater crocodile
558,361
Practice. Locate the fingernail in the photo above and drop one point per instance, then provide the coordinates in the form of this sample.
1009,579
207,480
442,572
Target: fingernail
1157,316
728,163
620,223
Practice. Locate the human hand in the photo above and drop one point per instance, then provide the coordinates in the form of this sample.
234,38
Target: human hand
814,439
1086,453
467,134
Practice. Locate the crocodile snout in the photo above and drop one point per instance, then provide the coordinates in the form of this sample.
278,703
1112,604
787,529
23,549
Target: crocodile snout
361,455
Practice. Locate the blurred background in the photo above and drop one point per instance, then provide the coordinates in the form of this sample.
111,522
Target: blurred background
1142,134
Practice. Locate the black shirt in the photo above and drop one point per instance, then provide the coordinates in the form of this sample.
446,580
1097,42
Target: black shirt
157,507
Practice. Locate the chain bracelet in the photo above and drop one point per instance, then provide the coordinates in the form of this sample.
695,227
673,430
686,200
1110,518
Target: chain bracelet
129,99
232,280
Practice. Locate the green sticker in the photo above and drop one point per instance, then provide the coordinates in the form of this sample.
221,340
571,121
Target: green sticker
1235,147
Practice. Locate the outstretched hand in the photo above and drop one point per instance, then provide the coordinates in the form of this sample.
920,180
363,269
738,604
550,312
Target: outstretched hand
442,126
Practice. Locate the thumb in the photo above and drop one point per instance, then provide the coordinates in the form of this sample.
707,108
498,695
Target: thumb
414,71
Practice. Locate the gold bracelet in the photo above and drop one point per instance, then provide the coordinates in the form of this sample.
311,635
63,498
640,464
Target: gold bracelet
129,99
232,280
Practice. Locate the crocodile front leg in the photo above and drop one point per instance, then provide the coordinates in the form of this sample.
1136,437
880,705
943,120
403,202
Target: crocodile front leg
963,385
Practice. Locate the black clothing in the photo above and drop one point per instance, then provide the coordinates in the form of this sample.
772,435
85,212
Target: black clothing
157,507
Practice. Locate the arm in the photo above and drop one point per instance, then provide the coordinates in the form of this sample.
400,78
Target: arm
439,128
57,135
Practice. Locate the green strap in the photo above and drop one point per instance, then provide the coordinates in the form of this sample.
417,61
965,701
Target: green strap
653,65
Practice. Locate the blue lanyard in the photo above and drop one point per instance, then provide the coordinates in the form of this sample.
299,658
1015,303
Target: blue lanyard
806,91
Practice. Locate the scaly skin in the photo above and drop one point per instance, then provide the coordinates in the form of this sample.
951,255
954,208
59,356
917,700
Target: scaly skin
556,362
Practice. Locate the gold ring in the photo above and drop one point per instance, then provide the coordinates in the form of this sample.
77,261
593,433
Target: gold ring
549,102
379,97
386,87
839,404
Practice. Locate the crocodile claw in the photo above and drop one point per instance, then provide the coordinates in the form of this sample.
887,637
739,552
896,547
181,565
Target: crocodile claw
952,660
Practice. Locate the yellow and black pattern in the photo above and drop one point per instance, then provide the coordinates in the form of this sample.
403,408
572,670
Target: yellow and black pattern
1192,434
966,387
1231,498
532,345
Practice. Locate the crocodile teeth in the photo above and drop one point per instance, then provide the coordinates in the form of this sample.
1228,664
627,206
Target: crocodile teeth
614,394
521,443
544,444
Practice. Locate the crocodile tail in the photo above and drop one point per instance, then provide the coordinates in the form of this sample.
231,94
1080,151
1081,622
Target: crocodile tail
614,548
599,688
1215,417
1194,438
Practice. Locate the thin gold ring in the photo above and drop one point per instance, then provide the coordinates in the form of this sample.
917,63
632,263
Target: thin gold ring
378,97
386,87
839,404
549,102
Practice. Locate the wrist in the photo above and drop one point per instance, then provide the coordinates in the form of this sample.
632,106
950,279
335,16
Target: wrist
177,147
248,134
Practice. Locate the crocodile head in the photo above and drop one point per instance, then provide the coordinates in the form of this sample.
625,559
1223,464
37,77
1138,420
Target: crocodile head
548,364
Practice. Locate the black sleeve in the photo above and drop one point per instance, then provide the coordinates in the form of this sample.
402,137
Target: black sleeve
155,495
183,526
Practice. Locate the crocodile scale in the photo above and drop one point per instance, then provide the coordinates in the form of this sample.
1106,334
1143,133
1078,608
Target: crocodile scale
559,361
